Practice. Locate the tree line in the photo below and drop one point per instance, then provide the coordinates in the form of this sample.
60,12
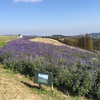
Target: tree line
84,42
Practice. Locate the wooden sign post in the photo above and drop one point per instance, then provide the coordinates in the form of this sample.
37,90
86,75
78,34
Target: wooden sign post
43,78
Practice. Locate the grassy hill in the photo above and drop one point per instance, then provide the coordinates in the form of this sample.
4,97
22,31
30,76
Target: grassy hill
7,38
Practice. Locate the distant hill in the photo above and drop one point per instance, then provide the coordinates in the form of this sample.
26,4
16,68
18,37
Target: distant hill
62,36
95,35
92,35
11,35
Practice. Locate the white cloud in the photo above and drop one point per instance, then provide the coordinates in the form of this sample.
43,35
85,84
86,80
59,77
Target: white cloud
33,1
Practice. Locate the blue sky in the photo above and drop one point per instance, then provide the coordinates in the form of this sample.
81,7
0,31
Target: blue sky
47,17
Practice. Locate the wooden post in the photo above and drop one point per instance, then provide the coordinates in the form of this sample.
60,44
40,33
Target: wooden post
52,87
40,86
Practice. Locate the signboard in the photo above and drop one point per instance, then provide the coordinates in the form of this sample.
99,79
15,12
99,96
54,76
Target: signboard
43,78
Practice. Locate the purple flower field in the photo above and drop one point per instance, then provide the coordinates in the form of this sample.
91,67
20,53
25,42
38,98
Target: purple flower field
61,56
23,55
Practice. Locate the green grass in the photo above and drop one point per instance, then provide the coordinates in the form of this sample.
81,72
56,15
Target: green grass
2,44
5,39
47,94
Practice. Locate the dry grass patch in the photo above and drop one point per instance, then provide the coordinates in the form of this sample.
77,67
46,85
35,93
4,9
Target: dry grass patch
47,40
11,88
7,38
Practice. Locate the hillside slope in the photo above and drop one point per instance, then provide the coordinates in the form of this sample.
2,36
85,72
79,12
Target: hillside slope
55,42
18,87
47,40
12,87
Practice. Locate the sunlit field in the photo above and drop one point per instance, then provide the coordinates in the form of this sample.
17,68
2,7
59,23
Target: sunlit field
5,39
47,40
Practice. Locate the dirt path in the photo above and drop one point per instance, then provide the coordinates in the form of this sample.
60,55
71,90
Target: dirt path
11,88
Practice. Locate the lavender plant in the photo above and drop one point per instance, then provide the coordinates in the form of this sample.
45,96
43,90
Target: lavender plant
71,67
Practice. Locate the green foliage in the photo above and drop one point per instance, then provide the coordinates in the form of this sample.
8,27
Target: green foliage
84,42
81,42
98,44
80,79
22,67
2,44
68,41
88,42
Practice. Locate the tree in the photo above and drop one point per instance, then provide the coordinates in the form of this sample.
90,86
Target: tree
98,44
80,42
88,42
